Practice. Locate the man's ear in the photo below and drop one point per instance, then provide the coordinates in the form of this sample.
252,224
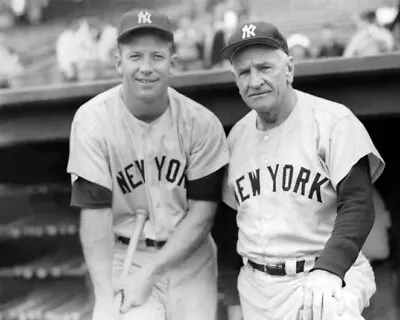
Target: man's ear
118,62
290,70
230,66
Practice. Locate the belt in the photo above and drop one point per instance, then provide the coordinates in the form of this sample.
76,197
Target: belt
278,269
149,242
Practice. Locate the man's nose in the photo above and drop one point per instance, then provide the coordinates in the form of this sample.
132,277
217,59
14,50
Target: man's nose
146,66
256,80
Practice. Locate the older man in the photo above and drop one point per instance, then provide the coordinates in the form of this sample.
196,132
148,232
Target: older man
300,177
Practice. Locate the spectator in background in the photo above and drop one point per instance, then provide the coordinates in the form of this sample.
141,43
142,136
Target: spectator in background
370,38
224,30
395,27
208,32
187,40
107,43
65,52
330,46
388,17
86,49
10,66
299,47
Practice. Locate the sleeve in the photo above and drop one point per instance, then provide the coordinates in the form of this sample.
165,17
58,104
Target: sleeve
88,156
207,188
355,218
89,195
349,142
209,149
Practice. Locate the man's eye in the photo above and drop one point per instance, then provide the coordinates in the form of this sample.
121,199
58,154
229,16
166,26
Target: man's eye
244,73
134,56
158,56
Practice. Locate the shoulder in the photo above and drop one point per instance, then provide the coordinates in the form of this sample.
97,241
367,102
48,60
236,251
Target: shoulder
95,110
191,111
324,111
242,126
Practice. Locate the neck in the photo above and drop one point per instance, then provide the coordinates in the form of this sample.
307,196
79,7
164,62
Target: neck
274,118
146,111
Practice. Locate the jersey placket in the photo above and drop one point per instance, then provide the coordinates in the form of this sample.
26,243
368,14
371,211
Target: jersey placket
263,159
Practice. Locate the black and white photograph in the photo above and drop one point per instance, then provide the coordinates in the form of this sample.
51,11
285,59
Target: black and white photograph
199,160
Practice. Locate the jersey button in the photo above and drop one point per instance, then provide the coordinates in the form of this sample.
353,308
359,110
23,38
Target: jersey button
266,137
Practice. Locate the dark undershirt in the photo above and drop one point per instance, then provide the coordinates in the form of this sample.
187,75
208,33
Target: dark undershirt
354,221
89,195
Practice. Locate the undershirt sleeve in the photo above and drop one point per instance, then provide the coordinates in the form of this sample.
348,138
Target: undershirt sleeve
207,188
354,221
89,195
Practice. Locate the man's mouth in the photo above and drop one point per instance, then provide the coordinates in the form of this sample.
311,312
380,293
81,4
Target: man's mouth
258,94
146,81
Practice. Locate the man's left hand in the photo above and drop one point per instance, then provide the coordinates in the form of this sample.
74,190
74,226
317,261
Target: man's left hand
319,289
137,288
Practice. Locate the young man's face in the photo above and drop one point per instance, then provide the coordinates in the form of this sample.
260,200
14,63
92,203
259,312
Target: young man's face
262,75
145,62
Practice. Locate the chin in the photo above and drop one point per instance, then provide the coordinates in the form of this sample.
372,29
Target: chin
260,107
148,96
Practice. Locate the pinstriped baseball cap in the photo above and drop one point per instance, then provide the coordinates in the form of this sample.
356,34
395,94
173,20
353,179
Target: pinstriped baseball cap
139,19
254,33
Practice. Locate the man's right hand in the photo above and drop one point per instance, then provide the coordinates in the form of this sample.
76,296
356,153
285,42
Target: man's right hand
105,311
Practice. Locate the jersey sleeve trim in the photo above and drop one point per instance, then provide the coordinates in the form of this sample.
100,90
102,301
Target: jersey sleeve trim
207,188
89,195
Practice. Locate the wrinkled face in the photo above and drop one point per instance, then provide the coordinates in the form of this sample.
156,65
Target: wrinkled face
145,63
263,76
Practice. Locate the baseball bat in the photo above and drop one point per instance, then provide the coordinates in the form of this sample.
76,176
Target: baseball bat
141,217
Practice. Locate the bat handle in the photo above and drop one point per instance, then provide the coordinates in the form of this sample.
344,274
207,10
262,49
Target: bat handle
141,217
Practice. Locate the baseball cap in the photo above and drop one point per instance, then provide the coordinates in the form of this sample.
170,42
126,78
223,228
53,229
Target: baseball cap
254,33
139,19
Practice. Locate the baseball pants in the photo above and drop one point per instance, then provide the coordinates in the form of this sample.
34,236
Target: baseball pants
188,291
266,297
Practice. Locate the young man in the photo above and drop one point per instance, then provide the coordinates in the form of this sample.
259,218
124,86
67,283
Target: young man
144,145
300,177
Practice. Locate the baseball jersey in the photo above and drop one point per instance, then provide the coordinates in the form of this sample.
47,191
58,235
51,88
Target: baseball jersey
282,182
146,165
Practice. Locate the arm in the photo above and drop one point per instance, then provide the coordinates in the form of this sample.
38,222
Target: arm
97,242
96,234
353,223
187,237
355,217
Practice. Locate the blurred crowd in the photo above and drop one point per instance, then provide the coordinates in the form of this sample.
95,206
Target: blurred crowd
85,50
376,32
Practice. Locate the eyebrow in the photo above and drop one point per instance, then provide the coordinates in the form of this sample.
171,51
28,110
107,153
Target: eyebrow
257,64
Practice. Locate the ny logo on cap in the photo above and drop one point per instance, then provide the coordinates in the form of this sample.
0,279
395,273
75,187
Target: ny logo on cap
248,31
144,17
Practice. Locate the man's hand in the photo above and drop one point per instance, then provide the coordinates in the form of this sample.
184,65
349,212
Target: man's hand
105,310
136,288
320,287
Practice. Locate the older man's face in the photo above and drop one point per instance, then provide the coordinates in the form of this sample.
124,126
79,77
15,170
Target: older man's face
263,75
